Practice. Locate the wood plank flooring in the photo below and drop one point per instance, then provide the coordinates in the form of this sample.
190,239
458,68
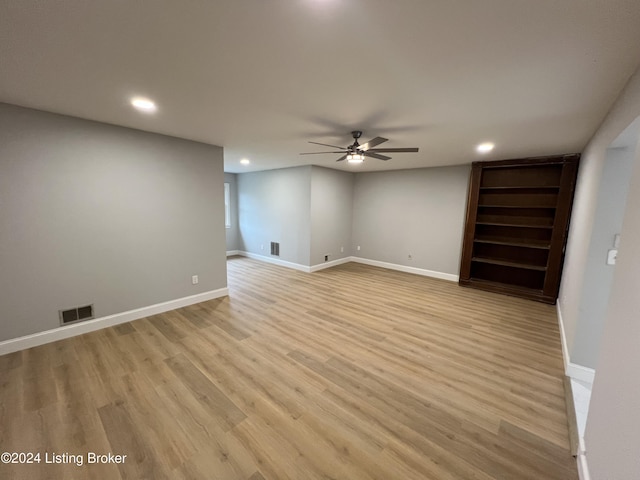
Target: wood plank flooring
353,372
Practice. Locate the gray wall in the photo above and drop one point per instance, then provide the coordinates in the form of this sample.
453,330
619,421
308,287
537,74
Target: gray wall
419,212
613,423
93,213
331,214
612,198
274,205
585,203
233,232
613,426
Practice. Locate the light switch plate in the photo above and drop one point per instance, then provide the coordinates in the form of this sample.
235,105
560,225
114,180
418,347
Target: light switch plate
612,255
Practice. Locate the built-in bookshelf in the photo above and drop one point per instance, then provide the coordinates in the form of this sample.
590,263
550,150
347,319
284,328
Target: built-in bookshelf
517,220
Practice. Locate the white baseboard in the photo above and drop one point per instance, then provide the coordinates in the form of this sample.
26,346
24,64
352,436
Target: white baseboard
404,268
231,253
563,337
572,370
48,336
333,263
578,372
276,261
366,261
583,467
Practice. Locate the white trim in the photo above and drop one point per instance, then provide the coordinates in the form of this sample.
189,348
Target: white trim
366,261
48,336
583,467
572,370
227,205
333,263
276,261
404,268
578,372
563,337
231,253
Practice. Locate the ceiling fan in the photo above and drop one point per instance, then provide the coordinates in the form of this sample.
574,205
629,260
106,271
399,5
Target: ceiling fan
355,153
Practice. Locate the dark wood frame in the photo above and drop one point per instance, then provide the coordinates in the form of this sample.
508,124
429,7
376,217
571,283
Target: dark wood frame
547,276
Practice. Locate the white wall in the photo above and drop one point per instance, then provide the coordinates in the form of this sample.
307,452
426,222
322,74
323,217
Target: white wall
97,214
274,206
612,198
585,205
233,232
331,214
613,426
613,423
419,212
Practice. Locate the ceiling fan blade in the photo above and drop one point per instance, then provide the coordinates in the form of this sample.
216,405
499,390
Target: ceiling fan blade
393,150
316,153
372,143
327,145
375,155
341,158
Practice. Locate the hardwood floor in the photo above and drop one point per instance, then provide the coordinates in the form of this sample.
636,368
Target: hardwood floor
354,372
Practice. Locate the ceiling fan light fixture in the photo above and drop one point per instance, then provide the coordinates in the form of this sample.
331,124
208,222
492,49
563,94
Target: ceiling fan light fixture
355,152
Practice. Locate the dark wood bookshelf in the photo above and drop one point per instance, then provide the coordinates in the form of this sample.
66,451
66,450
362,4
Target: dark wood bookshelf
539,188
507,263
519,225
515,242
516,229
517,206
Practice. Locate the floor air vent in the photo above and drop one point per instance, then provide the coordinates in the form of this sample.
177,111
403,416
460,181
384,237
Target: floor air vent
275,249
75,314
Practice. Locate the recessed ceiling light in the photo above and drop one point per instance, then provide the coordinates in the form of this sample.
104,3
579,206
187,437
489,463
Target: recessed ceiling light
245,161
143,104
485,147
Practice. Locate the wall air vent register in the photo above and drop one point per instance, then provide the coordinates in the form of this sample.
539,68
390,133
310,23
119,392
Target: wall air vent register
76,314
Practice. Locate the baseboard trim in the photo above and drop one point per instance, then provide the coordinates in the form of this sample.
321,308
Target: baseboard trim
333,263
403,268
578,372
48,336
231,253
276,261
581,459
563,338
572,420
573,370
366,261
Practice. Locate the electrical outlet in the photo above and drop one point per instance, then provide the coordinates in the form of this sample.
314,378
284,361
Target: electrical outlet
358,247
194,280
326,257
341,249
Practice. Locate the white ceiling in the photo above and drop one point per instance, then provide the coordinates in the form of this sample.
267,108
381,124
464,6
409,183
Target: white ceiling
262,77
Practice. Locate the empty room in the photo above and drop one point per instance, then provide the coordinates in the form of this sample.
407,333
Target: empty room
320,239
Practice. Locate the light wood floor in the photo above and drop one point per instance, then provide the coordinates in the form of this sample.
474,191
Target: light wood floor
354,372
